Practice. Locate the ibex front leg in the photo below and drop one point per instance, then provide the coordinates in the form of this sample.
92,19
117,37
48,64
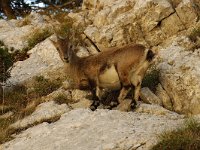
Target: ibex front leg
123,93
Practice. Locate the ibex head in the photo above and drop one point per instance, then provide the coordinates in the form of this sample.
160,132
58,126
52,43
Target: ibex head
64,48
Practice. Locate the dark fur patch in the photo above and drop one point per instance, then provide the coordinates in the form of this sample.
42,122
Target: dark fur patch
104,67
150,55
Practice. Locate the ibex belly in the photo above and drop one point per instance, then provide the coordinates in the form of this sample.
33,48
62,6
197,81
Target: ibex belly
109,79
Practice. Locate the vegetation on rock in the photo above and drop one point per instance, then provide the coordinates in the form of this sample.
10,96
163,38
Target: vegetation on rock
151,79
23,101
184,138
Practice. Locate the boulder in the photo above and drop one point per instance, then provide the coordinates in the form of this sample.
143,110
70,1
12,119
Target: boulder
89,130
44,112
187,12
15,35
149,97
43,58
82,103
163,96
180,76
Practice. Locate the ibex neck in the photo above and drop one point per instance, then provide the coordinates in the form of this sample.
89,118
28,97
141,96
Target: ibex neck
74,59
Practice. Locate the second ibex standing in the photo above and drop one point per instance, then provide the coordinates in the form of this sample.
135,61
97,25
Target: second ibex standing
115,69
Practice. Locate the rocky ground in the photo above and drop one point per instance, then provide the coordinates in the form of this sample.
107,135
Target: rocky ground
166,25
93,130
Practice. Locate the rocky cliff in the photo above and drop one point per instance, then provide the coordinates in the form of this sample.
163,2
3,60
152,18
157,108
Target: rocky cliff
170,27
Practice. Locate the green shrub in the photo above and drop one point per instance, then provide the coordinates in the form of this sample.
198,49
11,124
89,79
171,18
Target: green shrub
6,61
185,138
38,36
151,78
43,87
194,34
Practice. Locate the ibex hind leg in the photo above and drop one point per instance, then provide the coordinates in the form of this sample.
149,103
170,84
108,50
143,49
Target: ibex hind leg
123,93
135,96
95,99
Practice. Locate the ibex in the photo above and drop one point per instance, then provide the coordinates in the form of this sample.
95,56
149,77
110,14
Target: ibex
115,69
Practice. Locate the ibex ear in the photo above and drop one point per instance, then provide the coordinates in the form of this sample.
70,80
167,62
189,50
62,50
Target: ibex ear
53,42
60,37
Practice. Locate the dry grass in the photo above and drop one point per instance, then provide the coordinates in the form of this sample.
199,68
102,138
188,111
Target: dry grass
194,34
43,86
22,102
25,21
63,99
185,138
37,36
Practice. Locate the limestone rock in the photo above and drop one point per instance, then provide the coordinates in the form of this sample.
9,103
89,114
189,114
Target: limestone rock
82,103
163,96
125,105
43,58
43,112
80,94
102,129
180,76
172,25
124,17
157,110
187,13
149,97
15,35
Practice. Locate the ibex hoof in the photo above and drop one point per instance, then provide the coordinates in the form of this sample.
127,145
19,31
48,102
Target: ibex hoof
92,108
135,105
94,105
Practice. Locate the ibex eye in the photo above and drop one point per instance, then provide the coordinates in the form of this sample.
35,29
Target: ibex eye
71,46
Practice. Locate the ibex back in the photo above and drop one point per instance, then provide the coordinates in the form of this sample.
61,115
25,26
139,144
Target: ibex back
114,69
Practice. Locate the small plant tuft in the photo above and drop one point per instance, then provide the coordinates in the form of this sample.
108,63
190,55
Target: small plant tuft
37,36
62,99
25,21
151,79
6,61
185,138
194,34
1,43
43,86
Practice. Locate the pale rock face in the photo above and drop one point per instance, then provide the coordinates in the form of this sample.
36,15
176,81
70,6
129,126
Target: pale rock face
114,22
187,13
6,25
82,129
16,36
43,58
180,77
83,103
172,25
157,110
122,16
164,97
149,97
44,111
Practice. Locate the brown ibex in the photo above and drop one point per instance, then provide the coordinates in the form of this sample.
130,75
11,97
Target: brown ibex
118,68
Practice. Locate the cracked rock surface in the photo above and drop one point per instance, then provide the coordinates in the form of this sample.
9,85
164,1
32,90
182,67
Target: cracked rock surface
82,129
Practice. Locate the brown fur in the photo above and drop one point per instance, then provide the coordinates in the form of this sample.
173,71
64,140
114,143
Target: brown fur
113,69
